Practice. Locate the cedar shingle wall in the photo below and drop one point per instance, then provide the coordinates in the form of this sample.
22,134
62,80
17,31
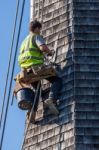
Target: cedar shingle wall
75,23
56,133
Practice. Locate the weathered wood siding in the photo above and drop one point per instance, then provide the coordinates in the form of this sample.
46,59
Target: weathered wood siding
52,132
86,47
75,24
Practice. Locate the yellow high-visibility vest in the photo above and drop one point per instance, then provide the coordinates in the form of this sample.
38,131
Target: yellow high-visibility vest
30,54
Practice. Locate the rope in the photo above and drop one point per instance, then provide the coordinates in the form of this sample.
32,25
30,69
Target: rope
11,49
42,11
32,110
6,111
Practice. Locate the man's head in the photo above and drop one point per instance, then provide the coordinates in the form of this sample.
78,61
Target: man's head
35,26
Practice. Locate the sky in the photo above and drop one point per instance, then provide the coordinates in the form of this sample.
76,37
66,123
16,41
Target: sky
15,124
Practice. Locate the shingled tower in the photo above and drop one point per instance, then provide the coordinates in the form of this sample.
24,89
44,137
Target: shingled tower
75,25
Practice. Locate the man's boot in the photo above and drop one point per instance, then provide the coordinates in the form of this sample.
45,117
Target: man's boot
53,109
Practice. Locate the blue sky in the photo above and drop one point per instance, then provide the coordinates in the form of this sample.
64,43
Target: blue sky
16,118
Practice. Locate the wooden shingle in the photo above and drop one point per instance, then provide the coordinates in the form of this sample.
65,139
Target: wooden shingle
75,24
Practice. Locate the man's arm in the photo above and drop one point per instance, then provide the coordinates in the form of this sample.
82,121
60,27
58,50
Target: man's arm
41,44
45,49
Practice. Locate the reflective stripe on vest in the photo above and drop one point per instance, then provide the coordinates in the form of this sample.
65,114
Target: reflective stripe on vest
30,49
31,57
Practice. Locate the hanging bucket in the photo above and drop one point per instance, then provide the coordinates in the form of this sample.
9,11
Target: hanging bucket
25,98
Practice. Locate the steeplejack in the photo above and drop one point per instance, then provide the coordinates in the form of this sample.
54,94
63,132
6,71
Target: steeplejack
24,92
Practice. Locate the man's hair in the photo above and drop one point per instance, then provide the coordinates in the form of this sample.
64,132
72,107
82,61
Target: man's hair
34,24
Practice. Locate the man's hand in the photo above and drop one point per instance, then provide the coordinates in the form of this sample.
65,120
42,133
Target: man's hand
46,50
51,53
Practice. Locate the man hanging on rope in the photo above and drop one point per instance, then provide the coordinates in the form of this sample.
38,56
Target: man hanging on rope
32,55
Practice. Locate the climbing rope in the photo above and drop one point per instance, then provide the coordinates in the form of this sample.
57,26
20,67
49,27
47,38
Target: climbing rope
9,92
32,111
